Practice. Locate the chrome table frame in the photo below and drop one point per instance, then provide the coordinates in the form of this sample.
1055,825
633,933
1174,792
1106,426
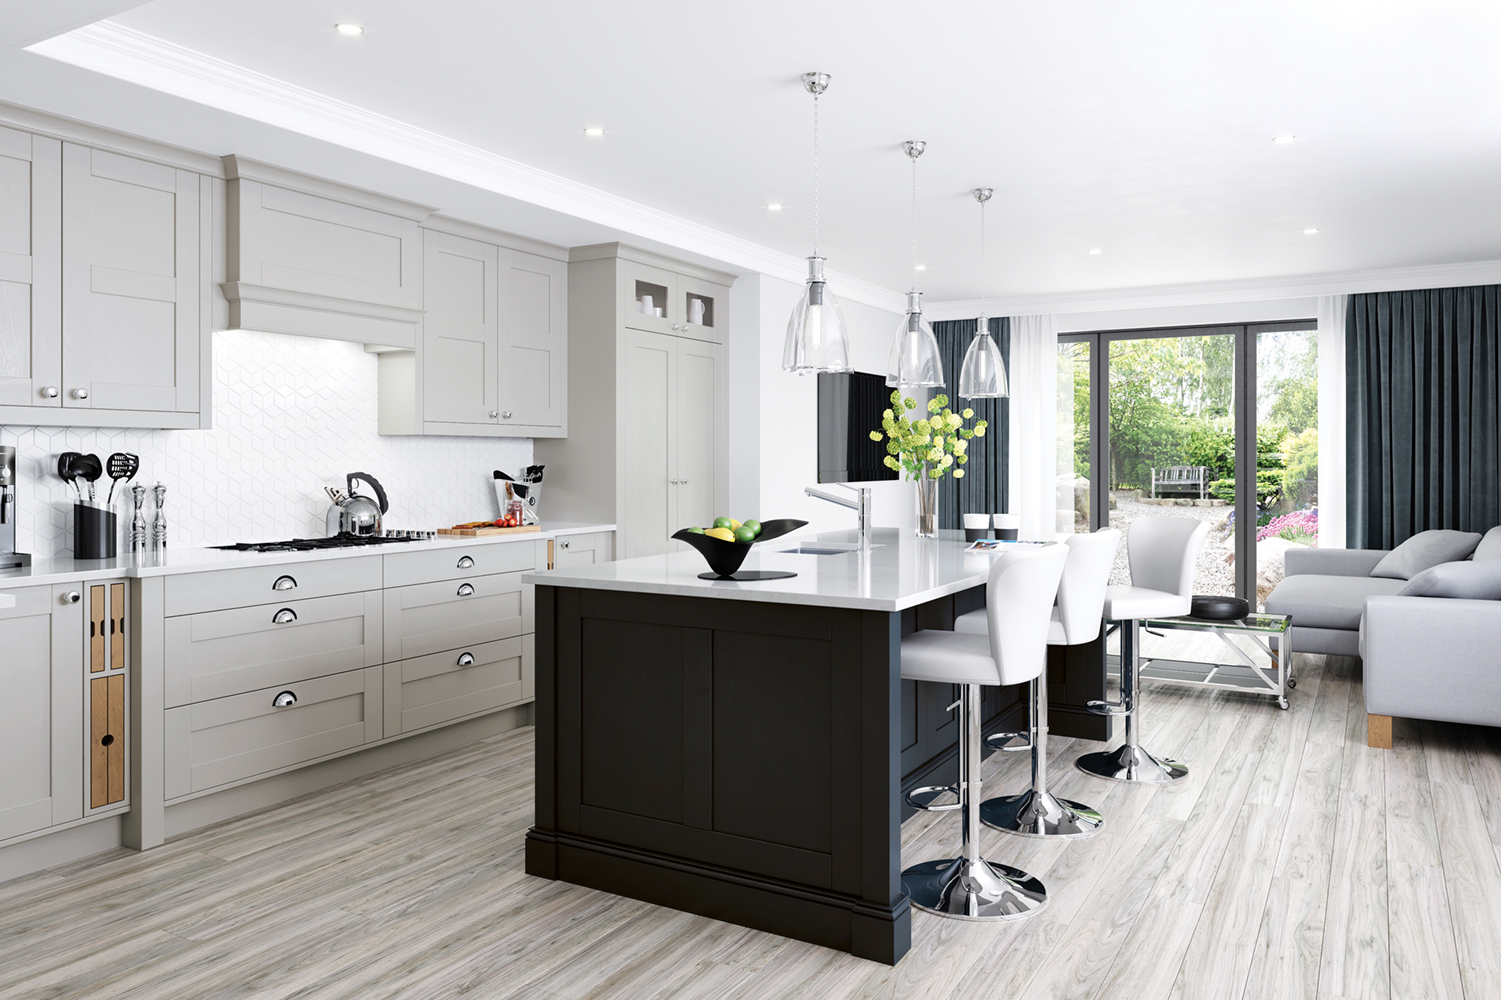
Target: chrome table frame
1246,675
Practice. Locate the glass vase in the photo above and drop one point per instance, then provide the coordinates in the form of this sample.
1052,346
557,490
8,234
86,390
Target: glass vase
927,507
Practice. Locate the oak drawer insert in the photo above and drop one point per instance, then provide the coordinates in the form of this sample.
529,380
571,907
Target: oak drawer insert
431,690
191,593
224,740
430,617
221,653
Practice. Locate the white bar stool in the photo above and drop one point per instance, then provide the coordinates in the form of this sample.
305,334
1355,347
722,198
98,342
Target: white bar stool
1162,552
1037,812
1018,596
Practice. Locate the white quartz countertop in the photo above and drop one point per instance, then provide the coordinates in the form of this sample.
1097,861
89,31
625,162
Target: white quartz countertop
901,571
64,569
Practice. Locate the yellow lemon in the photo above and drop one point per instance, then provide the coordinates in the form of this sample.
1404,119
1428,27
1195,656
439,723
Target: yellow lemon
734,524
723,534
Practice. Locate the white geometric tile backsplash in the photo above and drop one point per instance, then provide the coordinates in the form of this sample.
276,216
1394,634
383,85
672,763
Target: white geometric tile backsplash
291,416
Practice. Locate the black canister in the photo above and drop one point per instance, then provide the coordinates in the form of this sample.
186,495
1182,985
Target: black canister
94,532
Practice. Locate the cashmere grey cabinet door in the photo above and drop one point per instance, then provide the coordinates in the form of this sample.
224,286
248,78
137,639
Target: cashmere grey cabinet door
534,343
132,261
30,270
41,713
441,687
461,357
697,390
649,446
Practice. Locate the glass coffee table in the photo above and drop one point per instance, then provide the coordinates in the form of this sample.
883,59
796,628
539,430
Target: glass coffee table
1243,673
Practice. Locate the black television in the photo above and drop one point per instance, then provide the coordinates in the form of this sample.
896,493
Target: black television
850,405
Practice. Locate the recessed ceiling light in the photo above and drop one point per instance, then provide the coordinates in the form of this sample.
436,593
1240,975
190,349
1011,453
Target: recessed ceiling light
1094,250
594,131
774,207
349,29
921,267
1283,140
1310,232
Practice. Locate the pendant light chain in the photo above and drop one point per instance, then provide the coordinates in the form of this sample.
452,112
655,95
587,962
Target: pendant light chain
984,272
815,175
914,223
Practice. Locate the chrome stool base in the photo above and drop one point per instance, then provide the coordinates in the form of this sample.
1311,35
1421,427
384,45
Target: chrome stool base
1032,815
973,890
1132,763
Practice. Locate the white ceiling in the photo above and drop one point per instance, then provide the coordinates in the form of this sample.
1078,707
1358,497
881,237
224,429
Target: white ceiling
1142,129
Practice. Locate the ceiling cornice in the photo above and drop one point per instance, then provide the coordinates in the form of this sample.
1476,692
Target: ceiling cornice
1389,279
139,58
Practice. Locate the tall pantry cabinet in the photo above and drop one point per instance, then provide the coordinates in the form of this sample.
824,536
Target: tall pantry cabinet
648,439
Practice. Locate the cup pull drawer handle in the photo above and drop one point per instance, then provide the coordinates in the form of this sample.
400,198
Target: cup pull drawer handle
466,589
284,700
284,583
284,616
466,659
465,562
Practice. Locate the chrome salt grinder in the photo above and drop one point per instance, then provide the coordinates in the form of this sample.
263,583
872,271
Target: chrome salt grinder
138,521
159,521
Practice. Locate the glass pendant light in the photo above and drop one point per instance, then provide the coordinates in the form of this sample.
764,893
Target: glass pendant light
984,373
915,362
817,340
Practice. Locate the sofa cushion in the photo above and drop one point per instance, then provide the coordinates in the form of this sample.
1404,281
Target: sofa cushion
1424,550
1327,601
1475,581
1489,547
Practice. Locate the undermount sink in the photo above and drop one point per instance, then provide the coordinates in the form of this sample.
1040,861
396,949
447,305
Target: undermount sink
822,548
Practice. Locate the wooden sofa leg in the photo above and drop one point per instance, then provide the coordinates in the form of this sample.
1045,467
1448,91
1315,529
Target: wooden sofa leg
1378,729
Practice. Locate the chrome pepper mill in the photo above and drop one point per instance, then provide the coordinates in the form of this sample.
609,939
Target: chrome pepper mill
159,521
138,520
9,557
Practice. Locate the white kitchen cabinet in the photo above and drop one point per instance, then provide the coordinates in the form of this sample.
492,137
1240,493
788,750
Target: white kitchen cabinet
492,358
649,443
42,734
30,270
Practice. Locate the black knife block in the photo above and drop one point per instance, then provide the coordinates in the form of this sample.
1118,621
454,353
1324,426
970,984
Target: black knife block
95,534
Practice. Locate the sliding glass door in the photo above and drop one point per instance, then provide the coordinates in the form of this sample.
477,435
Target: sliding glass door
1161,422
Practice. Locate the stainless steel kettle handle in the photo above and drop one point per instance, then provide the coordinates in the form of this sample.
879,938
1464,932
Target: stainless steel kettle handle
365,477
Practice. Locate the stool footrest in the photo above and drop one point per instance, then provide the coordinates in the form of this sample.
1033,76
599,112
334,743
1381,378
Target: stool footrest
1113,708
934,791
1006,742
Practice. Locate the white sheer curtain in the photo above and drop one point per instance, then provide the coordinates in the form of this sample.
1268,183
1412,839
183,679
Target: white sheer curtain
1332,421
1034,418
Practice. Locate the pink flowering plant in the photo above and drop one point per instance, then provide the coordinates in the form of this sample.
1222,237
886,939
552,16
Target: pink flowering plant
1299,526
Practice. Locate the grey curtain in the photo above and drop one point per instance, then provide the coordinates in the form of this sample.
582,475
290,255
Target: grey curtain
984,486
1423,396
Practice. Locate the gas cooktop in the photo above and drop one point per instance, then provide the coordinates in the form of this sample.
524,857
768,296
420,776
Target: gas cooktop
336,542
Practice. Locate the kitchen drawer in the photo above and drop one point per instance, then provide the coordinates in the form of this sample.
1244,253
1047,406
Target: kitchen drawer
463,562
191,593
430,617
441,687
583,549
222,653
216,742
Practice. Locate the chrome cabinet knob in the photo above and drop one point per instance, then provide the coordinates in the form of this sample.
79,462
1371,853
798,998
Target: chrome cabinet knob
682,482
465,562
564,544
466,659
284,583
494,414
466,589
79,394
284,616
285,699
49,392
72,597
506,414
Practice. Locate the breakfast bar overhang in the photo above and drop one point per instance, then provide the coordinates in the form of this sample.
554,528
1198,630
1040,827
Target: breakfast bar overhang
738,750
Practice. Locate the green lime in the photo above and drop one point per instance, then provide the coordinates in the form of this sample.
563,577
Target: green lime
723,522
753,525
696,531
745,533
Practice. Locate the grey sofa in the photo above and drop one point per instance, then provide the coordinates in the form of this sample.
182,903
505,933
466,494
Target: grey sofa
1436,658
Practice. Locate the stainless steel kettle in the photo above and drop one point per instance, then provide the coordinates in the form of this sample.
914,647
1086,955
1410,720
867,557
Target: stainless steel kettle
355,514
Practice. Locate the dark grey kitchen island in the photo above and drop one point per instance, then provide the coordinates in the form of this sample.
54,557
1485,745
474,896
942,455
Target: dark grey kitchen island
738,750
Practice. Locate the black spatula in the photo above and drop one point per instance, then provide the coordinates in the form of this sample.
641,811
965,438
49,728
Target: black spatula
122,466
89,469
67,473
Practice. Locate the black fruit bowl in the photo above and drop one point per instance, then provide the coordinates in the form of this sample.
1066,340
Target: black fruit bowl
723,557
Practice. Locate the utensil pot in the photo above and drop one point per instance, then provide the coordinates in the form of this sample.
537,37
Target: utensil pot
94,532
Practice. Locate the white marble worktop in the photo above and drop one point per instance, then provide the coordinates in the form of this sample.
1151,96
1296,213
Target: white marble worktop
65,569
901,571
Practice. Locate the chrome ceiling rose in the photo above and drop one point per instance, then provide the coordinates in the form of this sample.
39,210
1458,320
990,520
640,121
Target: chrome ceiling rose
915,362
983,374
817,338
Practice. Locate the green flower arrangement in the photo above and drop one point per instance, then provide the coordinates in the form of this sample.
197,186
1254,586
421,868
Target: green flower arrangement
930,446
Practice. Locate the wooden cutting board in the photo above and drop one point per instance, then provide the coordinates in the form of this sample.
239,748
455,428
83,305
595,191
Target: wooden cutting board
485,532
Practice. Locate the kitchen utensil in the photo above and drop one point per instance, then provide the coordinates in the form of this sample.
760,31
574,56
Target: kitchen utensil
89,469
94,532
159,521
356,514
67,473
122,467
724,558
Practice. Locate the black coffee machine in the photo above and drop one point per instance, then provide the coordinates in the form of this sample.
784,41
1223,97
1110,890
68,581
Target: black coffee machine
9,557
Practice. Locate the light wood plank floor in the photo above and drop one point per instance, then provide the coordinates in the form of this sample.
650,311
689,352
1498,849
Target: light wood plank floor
1295,862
